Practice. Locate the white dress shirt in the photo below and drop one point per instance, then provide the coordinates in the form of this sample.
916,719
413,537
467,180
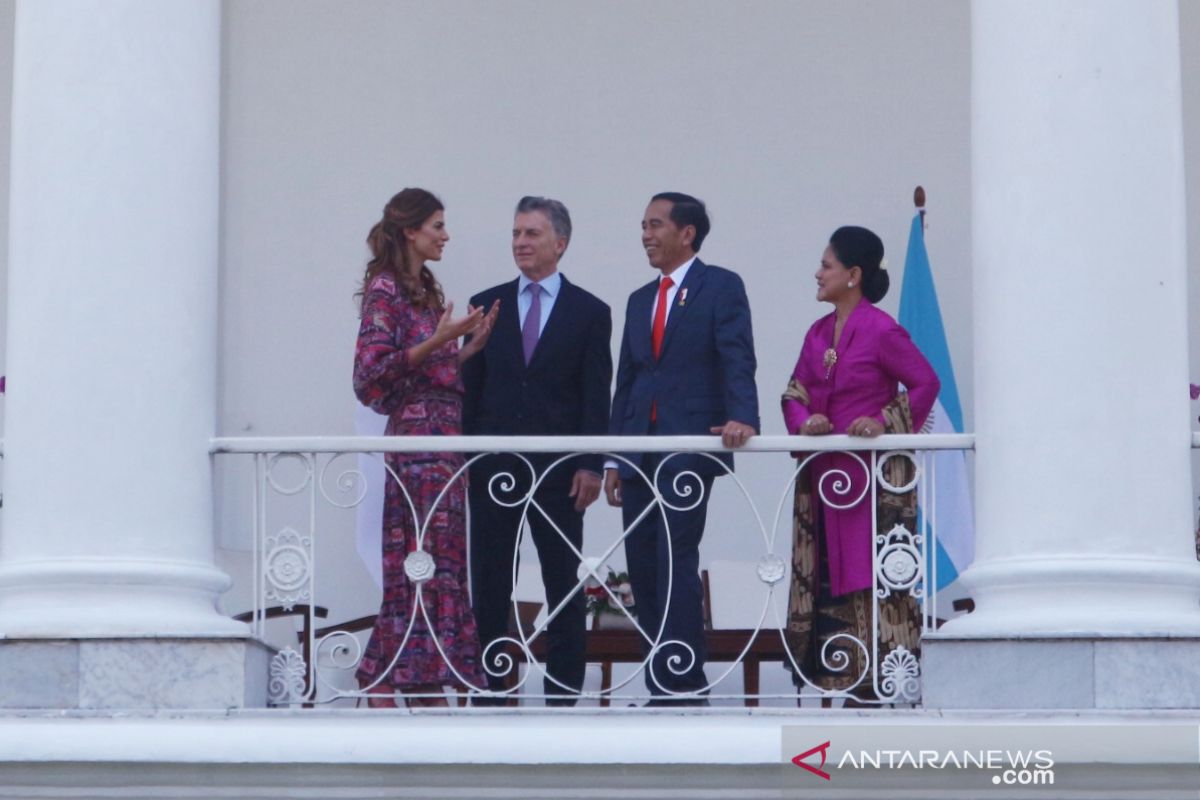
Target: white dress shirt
677,277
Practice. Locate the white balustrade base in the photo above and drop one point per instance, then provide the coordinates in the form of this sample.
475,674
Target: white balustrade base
133,674
1110,673
633,756
569,782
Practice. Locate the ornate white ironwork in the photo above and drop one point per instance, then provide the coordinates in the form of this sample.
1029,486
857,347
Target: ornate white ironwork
771,568
901,676
686,484
900,562
900,567
419,566
342,649
280,463
350,482
286,568
881,462
837,483
835,655
499,662
502,487
288,676
679,659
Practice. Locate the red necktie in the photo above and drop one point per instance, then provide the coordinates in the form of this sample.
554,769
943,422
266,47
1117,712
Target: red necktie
660,315
656,332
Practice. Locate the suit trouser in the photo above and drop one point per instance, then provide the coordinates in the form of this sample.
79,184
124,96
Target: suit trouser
494,531
668,554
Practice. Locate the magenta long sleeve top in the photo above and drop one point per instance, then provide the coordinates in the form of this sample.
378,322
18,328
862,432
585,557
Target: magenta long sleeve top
874,356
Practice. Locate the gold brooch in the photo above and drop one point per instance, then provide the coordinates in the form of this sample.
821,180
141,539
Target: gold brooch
830,360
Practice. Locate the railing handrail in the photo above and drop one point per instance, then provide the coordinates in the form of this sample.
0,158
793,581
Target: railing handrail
553,444
593,444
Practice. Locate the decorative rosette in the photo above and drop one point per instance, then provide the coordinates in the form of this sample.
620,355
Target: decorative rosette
419,566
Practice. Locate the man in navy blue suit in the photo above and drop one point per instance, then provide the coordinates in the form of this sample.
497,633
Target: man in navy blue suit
686,367
545,371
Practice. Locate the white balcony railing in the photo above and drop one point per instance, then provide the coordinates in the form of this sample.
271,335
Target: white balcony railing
306,491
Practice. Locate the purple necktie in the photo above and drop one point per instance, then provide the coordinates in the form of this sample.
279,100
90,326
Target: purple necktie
533,321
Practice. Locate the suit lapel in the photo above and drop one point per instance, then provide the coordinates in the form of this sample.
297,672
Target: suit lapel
685,298
507,334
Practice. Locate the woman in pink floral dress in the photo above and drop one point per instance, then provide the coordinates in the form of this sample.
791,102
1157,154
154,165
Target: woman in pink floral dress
406,365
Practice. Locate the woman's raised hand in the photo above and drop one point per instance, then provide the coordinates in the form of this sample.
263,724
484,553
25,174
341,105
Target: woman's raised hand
449,328
481,333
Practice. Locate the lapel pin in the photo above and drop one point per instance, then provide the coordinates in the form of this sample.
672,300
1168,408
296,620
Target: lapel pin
682,297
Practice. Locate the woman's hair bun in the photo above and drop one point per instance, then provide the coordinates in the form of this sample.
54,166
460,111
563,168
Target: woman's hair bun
875,284
860,247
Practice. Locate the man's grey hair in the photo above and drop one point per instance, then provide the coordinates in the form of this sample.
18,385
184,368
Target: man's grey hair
556,212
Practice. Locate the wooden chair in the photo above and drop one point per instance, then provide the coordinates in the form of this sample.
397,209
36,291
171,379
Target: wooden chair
963,605
611,646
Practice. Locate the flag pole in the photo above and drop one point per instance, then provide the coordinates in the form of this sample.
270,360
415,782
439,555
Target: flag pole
952,546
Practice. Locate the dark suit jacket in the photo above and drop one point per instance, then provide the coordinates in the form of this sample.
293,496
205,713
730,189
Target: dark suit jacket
564,389
703,377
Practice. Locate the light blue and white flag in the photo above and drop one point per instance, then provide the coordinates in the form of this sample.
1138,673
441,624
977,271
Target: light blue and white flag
922,318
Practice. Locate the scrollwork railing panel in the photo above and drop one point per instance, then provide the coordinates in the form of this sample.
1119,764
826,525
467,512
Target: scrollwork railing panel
306,492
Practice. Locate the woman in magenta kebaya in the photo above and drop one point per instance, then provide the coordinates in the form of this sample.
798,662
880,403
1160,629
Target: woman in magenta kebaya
847,380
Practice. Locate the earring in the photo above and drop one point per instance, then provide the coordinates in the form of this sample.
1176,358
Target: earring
850,285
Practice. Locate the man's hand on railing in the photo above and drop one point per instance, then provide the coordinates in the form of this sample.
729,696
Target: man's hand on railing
612,487
733,433
585,488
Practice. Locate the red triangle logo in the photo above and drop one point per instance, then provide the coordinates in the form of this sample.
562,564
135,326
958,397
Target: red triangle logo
823,750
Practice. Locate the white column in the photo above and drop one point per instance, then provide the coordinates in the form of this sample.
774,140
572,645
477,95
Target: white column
1083,473
112,322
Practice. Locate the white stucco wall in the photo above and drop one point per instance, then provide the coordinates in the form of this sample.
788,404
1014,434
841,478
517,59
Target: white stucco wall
787,119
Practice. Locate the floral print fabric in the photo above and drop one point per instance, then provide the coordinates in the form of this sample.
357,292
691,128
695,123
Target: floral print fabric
822,628
427,635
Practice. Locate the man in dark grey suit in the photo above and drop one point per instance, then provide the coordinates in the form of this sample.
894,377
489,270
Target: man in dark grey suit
545,371
686,367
